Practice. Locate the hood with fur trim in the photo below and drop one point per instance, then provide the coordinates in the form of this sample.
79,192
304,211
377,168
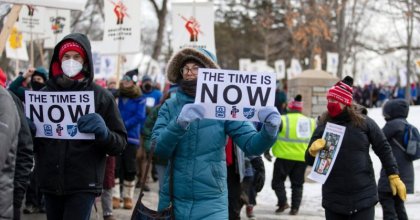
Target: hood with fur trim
178,60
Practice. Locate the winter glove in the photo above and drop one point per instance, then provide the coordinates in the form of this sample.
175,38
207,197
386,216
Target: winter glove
32,126
259,174
271,118
93,123
268,156
316,146
189,113
397,186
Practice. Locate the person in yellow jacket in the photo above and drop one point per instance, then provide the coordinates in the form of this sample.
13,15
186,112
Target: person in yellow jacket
289,149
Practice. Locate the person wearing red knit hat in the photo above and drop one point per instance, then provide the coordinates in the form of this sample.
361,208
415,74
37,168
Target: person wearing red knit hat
71,171
289,149
350,191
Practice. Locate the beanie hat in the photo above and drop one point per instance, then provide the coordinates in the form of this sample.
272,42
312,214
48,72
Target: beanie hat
3,78
342,91
296,104
131,75
71,45
42,72
146,78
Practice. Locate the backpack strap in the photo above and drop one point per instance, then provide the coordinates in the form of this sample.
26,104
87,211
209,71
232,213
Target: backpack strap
399,145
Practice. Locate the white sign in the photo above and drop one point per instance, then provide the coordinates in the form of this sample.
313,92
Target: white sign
64,4
122,27
193,26
280,67
55,114
332,63
16,46
234,95
57,27
295,68
32,19
325,159
245,64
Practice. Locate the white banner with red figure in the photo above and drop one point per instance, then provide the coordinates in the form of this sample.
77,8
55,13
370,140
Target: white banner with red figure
193,26
122,27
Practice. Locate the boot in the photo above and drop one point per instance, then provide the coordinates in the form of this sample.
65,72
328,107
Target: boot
128,193
250,212
282,208
116,195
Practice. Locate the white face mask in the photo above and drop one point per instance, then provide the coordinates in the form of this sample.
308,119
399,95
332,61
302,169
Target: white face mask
71,67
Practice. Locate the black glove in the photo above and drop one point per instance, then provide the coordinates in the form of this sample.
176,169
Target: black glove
268,156
93,123
259,174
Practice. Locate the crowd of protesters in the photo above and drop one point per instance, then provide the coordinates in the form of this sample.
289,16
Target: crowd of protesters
207,169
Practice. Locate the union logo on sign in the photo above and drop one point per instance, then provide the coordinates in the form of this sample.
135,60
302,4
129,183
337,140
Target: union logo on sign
48,131
220,112
249,112
72,130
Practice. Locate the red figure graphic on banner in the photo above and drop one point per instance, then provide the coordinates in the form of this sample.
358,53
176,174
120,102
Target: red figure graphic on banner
31,10
120,11
193,28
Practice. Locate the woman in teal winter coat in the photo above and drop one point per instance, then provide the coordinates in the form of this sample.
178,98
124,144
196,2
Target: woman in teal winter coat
196,146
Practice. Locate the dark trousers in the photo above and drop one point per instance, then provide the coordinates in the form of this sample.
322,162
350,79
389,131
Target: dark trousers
296,172
33,194
392,206
125,165
234,193
365,214
69,207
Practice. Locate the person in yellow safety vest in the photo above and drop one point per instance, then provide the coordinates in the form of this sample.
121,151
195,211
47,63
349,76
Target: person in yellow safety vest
289,149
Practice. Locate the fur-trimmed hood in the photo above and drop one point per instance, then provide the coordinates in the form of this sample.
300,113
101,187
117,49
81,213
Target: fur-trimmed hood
177,61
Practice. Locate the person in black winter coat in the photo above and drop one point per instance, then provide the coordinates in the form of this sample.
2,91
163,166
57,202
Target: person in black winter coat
395,113
71,171
350,190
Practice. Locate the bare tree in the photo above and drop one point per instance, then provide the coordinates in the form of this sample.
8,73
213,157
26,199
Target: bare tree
161,16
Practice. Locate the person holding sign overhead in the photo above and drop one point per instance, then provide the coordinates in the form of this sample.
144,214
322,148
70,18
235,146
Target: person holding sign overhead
195,146
71,171
350,190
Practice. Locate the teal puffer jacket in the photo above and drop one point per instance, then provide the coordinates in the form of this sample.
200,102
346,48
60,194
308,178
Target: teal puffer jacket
199,160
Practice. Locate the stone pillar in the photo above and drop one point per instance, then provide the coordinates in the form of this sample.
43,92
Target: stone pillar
313,86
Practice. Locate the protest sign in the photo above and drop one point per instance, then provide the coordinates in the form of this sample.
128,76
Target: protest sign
280,67
58,26
193,25
64,4
55,114
332,63
122,27
16,46
234,95
325,159
32,19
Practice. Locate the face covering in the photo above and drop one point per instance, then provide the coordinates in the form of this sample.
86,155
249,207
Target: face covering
36,86
334,109
71,67
147,87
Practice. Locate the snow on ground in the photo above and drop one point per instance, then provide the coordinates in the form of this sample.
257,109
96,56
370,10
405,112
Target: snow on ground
312,196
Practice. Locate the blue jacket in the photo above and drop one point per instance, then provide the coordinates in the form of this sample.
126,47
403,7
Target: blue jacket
153,96
133,113
199,160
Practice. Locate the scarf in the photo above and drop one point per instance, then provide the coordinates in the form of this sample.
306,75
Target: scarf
189,87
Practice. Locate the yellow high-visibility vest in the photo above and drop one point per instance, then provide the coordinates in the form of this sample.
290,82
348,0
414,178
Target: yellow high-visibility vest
294,137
